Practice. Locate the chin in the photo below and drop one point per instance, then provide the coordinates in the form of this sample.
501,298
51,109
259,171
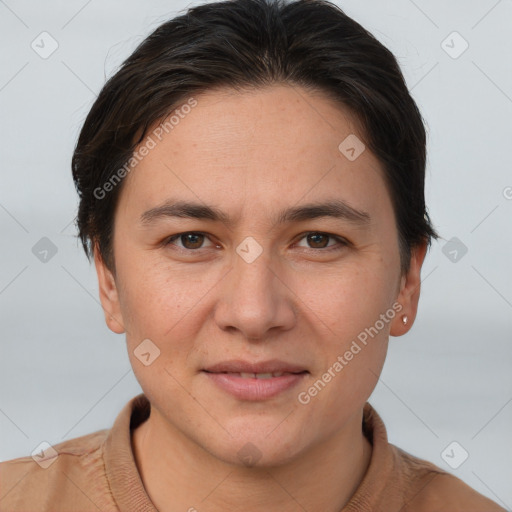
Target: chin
258,446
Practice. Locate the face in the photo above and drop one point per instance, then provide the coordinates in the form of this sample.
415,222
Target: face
246,242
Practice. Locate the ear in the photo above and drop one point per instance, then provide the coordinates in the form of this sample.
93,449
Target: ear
109,296
409,294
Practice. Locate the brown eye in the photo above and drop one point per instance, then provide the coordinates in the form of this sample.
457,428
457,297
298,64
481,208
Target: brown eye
189,240
323,241
318,240
192,240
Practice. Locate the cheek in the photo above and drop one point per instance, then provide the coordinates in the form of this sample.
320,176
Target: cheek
157,299
351,343
347,300
352,311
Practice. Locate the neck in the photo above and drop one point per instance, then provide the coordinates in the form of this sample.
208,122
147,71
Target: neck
180,476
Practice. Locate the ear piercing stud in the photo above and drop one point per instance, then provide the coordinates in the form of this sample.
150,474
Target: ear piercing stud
404,319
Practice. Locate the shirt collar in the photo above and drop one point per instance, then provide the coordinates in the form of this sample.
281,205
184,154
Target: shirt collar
379,489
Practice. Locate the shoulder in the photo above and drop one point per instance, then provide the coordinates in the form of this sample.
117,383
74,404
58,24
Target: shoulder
70,473
434,490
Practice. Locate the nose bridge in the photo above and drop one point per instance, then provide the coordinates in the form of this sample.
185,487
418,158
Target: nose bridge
253,300
252,282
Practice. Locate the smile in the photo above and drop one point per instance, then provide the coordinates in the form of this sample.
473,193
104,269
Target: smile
254,385
245,375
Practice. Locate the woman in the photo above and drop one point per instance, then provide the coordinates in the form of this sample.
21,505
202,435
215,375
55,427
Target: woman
251,188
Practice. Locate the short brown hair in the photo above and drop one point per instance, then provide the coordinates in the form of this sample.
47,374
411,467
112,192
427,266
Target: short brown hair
255,43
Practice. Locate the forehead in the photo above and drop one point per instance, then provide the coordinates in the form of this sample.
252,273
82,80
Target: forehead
284,119
254,149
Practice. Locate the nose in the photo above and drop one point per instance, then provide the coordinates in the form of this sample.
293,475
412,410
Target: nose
254,300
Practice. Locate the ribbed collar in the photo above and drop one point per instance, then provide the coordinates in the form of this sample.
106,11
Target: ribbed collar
379,490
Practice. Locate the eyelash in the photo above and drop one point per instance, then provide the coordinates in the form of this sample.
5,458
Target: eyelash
340,245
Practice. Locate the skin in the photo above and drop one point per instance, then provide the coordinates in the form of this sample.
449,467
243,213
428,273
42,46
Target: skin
252,154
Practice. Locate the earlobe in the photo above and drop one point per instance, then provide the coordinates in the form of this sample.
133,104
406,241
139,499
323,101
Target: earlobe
409,294
109,296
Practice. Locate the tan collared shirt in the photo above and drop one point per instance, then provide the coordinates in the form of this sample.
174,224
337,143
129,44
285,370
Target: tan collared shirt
97,472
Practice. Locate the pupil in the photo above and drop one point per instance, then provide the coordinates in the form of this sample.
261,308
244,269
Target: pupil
192,239
316,238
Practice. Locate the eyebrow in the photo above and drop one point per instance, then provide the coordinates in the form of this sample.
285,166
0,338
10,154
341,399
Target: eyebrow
336,208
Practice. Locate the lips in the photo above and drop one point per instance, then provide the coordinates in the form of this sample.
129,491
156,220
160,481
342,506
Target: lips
273,366
255,381
246,375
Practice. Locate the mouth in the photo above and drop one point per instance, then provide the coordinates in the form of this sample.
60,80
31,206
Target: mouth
262,376
269,367
255,381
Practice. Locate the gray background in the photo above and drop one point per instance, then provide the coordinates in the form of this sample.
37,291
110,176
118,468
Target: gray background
63,374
